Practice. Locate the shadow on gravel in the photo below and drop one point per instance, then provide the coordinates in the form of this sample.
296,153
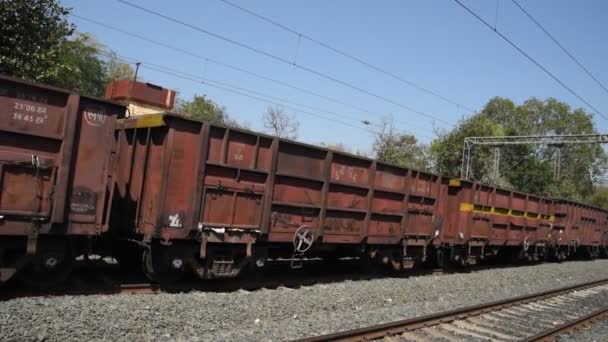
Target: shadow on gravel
98,277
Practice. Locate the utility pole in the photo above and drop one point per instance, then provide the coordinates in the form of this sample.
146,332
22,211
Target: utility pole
496,165
558,164
136,71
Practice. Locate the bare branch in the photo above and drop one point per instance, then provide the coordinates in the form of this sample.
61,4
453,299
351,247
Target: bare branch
281,123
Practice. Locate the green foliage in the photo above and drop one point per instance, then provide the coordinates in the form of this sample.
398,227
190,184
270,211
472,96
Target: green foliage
38,43
447,149
203,108
599,198
401,149
82,70
116,70
32,38
526,167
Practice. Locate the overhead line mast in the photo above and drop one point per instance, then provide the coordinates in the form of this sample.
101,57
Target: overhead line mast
497,141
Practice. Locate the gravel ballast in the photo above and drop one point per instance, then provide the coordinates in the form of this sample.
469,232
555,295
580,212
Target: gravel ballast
279,314
596,332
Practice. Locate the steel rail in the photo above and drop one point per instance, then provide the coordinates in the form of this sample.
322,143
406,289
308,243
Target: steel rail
549,335
398,327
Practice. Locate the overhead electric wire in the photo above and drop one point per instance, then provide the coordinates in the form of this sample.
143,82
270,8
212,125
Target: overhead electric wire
347,55
214,61
239,69
560,46
283,60
516,47
207,82
222,85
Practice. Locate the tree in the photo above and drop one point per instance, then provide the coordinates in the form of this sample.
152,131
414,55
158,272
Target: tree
527,168
280,123
116,70
81,69
205,109
341,147
599,198
337,147
38,43
32,38
393,147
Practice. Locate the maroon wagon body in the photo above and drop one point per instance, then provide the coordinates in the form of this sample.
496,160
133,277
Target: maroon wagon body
56,152
69,167
178,177
478,215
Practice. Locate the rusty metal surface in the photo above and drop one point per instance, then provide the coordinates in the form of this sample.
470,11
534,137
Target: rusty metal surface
56,155
184,176
181,177
121,90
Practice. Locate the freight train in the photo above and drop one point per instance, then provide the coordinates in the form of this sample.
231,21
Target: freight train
173,195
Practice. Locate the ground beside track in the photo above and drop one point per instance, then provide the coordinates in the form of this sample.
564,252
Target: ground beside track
275,315
594,332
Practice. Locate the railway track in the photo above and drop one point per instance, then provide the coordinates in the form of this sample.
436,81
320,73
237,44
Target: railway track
536,317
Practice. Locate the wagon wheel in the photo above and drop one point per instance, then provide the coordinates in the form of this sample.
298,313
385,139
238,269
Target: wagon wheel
50,266
303,239
163,265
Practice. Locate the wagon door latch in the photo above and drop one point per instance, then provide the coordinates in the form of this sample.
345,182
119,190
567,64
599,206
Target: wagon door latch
303,239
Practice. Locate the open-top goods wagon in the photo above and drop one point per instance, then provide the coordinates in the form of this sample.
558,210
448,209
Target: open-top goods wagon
56,153
215,199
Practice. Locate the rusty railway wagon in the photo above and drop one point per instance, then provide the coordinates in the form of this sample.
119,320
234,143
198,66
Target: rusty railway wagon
218,198
215,199
174,195
56,153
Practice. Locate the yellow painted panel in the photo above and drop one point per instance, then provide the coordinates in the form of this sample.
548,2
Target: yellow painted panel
152,120
466,207
454,182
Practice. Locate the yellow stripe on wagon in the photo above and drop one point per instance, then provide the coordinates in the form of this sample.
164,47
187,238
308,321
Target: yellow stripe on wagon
470,207
150,120
143,121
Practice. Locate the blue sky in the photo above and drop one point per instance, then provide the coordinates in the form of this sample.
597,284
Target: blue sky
435,44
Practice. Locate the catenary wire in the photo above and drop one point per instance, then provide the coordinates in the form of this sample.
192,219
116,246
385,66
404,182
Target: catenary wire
210,83
223,64
283,60
346,54
239,88
560,46
239,69
516,47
